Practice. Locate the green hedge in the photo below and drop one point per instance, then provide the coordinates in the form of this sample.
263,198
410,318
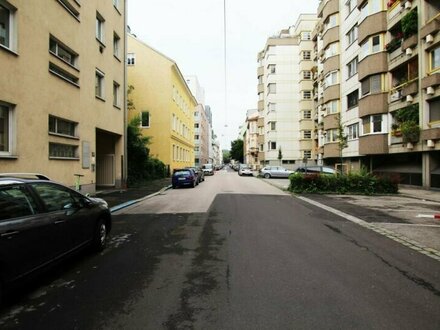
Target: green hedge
356,183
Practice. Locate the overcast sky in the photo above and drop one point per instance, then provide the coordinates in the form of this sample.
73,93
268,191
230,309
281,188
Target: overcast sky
191,33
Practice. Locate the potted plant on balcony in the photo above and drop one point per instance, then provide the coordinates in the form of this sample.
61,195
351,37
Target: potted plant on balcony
410,133
409,24
396,132
390,3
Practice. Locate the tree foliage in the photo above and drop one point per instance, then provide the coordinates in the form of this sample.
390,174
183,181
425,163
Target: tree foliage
141,167
237,150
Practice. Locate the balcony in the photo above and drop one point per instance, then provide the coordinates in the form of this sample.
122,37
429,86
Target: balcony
260,88
395,13
261,156
260,71
331,121
431,27
330,36
260,139
375,63
332,93
331,7
432,80
331,150
372,25
260,105
360,3
373,144
260,122
331,64
430,134
373,104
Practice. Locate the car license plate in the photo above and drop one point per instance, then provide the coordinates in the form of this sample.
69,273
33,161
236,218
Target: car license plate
181,179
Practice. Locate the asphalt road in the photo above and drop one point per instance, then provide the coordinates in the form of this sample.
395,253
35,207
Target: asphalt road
234,253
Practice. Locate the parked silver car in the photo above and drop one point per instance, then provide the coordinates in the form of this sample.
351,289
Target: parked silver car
316,169
275,172
245,170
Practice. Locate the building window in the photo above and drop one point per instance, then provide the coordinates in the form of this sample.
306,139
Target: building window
272,88
353,99
331,135
307,55
307,95
434,110
373,45
271,106
70,9
331,22
331,79
196,125
7,24
350,5
307,114
434,59
196,137
271,68
62,126
116,88
306,35
353,132
58,150
61,51
131,57
331,50
332,107
272,145
352,35
273,125
116,44
307,154
371,7
57,71
372,84
307,75
352,68
99,83
145,119
307,134
372,124
5,128
99,27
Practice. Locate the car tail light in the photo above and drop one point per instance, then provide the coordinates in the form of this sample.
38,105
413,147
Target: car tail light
191,177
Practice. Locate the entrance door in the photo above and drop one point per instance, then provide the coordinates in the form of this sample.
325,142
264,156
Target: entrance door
105,170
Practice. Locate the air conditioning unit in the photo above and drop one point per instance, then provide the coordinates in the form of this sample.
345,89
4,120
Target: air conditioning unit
408,5
430,90
408,51
430,143
429,38
409,98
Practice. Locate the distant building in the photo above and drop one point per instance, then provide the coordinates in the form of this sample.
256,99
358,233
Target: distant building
163,102
201,123
250,139
285,94
62,99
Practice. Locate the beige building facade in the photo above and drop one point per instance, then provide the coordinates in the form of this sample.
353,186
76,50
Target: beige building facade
378,77
62,90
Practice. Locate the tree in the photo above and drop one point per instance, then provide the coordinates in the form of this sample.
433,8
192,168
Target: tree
237,150
130,103
342,140
280,155
226,157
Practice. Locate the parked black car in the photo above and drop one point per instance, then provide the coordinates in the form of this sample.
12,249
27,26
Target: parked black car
184,177
199,173
42,222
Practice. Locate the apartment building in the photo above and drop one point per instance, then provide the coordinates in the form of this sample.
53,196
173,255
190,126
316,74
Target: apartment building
285,100
62,90
377,98
163,102
250,139
201,123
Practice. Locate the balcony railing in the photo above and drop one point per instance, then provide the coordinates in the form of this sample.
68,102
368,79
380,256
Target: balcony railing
396,93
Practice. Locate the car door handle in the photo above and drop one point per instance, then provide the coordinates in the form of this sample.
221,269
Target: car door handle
9,233
58,221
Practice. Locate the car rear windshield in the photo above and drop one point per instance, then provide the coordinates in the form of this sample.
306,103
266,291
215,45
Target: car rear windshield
180,173
207,166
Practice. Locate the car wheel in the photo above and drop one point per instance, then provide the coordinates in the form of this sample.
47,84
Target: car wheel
174,186
267,176
194,184
100,239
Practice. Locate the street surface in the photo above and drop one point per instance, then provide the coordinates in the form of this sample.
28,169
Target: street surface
234,253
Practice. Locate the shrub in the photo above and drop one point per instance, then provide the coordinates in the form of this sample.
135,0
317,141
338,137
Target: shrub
353,183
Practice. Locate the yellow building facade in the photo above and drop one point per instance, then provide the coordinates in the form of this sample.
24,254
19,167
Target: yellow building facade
62,90
163,101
